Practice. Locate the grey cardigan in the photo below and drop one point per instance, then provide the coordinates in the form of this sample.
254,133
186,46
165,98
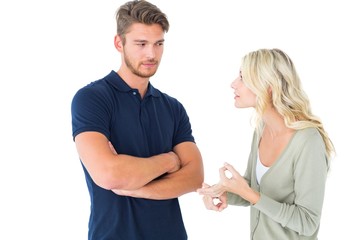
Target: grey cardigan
291,191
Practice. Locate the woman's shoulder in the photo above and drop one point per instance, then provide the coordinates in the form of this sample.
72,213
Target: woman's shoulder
306,133
308,138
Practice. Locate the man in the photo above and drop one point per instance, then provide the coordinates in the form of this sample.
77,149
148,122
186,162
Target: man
135,142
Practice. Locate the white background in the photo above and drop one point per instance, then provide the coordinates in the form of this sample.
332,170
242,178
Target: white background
49,49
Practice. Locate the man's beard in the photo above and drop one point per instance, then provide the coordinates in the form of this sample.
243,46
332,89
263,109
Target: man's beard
135,70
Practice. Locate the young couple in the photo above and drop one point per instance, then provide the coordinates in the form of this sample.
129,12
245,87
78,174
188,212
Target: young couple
138,153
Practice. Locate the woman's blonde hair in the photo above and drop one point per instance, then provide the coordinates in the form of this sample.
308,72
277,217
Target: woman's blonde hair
272,76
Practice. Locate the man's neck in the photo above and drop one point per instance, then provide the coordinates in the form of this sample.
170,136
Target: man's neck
134,81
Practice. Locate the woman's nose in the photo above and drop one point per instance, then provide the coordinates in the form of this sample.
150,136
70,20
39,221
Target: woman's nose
233,84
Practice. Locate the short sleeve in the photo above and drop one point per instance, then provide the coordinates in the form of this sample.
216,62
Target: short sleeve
90,112
183,131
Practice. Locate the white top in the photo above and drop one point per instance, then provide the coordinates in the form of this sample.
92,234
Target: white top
260,169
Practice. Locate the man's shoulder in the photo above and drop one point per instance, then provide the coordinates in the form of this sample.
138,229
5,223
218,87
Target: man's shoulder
166,96
96,86
171,100
98,91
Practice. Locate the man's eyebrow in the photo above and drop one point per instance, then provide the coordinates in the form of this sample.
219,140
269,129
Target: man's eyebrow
140,41
146,41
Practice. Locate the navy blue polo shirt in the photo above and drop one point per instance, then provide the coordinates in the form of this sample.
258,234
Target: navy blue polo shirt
138,127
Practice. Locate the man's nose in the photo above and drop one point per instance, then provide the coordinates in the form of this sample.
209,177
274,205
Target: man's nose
150,52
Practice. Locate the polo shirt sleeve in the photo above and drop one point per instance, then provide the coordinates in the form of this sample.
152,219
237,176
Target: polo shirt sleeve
90,112
183,131
310,173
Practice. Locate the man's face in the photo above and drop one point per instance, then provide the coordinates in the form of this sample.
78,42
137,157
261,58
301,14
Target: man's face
143,49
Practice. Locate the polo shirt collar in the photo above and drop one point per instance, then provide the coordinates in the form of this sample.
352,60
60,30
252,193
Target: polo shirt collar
117,82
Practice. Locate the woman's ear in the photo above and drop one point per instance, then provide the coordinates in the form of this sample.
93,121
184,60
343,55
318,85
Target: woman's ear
118,43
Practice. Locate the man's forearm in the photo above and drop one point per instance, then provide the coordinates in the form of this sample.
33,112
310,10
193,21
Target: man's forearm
173,185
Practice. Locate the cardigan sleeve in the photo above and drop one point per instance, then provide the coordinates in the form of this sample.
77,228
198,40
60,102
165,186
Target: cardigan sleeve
310,173
234,199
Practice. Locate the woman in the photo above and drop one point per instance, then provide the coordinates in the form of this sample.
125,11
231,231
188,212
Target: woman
284,182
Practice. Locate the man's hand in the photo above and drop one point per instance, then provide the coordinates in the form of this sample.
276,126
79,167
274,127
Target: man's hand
176,160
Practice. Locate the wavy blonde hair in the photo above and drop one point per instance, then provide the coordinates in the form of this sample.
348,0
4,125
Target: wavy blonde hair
266,69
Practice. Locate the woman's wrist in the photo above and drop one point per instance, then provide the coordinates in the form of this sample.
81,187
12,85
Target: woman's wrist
252,196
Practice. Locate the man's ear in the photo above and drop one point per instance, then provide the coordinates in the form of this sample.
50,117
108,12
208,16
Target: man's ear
118,43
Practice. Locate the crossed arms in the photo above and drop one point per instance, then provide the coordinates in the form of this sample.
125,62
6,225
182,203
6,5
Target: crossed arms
182,169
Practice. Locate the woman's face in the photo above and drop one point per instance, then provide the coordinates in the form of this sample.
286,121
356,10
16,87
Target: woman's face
244,97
